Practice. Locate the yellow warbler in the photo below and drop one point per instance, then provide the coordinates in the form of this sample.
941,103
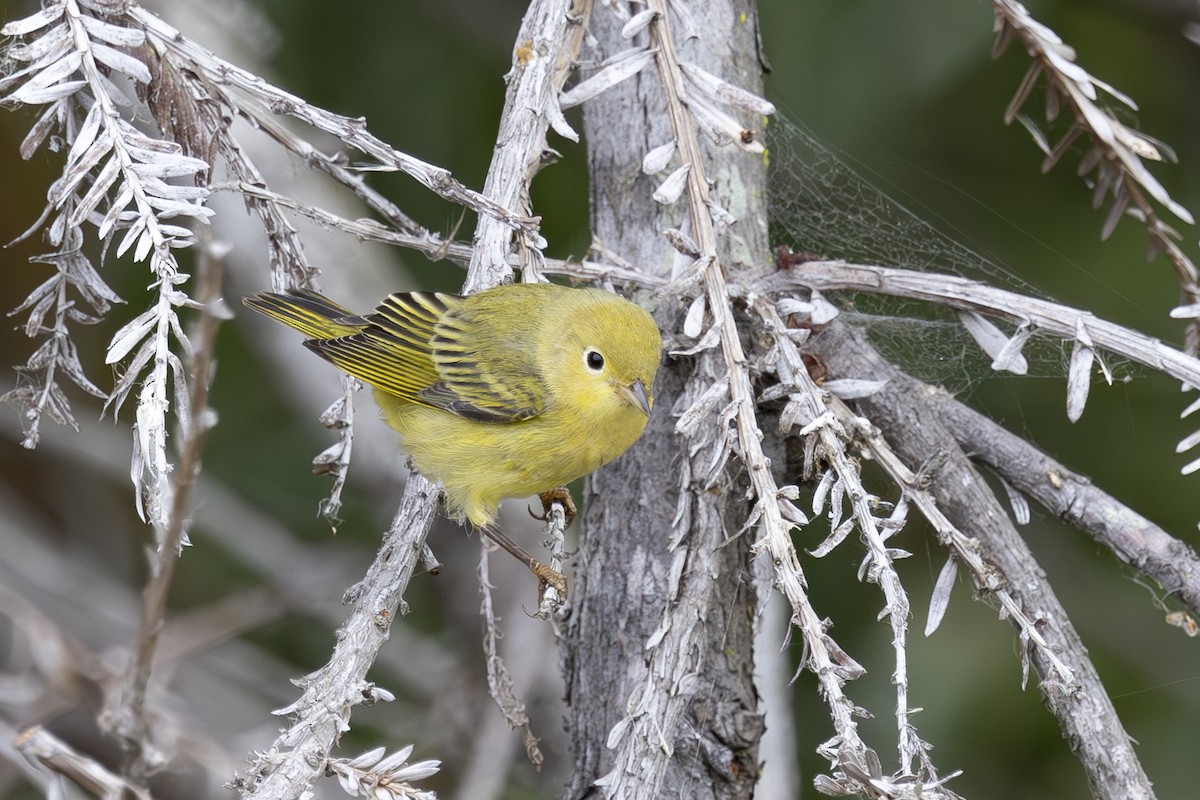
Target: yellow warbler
504,393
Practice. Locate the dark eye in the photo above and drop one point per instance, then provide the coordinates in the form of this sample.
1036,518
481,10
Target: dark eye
594,361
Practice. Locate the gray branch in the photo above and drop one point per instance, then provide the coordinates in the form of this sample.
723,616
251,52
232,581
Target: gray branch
1073,498
913,430
298,758
964,294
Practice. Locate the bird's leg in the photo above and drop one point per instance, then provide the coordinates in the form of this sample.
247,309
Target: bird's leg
560,494
545,575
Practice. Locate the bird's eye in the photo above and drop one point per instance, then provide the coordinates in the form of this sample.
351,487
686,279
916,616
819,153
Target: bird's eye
593,360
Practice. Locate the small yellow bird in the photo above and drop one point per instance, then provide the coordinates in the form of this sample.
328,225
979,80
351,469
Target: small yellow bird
514,390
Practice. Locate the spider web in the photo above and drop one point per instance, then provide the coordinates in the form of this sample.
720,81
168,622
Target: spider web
821,205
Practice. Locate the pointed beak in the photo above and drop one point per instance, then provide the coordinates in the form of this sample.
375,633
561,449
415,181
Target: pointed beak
636,395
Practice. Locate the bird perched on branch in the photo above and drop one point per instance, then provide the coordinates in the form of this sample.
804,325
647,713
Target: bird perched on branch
510,391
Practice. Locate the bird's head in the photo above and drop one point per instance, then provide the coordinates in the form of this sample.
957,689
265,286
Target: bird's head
609,352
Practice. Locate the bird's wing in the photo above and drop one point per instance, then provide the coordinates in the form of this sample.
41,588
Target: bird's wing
314,315
443,351
485,373
390,350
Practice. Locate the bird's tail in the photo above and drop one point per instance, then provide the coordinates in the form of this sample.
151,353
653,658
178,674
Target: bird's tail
314,315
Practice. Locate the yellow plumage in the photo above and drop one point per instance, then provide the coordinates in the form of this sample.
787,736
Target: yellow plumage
504,393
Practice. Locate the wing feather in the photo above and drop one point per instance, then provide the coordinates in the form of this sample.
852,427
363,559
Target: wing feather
440,350
390,349
314,315
489,374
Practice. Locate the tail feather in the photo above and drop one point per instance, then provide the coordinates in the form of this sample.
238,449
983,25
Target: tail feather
314,315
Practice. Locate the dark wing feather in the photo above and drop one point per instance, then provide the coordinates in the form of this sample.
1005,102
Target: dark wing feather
488,374
314,315
444,351
390,350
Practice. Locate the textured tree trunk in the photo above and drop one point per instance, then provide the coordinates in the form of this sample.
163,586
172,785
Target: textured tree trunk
660,635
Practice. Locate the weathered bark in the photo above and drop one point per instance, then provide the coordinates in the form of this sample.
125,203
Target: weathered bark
662,622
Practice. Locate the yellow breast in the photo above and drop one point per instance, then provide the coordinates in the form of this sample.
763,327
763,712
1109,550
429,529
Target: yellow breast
479,464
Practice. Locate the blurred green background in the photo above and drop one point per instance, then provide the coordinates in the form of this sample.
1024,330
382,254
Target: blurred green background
907,92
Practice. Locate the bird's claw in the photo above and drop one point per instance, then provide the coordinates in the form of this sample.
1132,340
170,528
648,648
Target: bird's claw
560,495
549,577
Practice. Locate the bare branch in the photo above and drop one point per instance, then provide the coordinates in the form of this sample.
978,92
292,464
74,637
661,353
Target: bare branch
546,48
554,540
288,261
500,682
436,247
44,748
1028,313
827,439
1069,682
299,756
1117,151
128,718
1073,498
350,131
968,295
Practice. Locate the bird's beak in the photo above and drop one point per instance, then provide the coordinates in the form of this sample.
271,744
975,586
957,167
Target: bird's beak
636,395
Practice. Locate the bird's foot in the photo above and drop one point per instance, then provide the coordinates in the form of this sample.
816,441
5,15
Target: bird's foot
560,495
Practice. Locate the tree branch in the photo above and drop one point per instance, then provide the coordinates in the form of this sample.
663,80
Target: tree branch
1117,152
349,131
298,757
128,718
911,427
547,47
1073,498
967,295
44,748
1030,314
